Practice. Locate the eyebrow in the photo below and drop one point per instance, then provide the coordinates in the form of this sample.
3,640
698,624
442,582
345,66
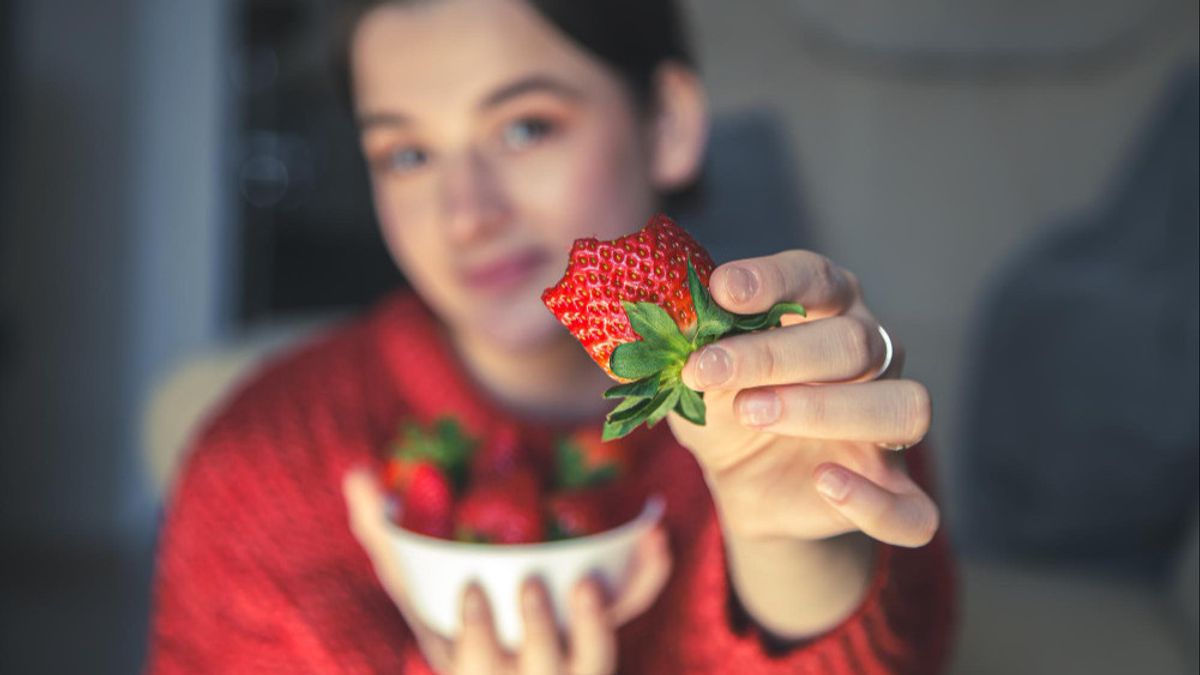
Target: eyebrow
383,119
525,85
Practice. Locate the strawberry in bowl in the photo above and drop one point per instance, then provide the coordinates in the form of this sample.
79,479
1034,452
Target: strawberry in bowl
488,512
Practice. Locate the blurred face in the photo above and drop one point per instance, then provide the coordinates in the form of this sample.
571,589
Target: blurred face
494,142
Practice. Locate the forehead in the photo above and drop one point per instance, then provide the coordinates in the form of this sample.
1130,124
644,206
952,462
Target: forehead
448,53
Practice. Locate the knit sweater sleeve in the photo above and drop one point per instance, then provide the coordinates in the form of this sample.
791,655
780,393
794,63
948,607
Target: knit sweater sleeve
257,570
902,626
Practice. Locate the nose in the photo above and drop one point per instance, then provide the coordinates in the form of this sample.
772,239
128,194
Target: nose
474,202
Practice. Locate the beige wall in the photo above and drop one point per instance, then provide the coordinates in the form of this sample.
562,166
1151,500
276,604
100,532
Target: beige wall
923,185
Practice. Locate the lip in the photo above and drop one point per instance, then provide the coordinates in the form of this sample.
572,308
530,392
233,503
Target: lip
504,273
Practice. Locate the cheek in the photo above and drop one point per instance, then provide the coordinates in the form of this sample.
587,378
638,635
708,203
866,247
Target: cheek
411,237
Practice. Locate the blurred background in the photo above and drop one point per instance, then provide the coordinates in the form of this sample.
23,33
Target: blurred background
1015,183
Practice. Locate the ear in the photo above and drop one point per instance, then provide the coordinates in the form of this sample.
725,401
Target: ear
679,127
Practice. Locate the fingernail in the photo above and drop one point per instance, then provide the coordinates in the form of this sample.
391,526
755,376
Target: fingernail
834,484
713,367
760,408
740,283
473,604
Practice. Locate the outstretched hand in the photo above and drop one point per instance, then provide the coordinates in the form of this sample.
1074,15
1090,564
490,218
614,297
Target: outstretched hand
799,418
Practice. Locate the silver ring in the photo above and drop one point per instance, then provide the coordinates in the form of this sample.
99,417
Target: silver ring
887,354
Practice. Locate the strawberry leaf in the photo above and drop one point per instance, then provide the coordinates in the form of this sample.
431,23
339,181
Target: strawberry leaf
665,405
636,360
615,430
711,320
445,444
638,410
655,326
571,471
768,319
627,404
643,388
575,471
691,406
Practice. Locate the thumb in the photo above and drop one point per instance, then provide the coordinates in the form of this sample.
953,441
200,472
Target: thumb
366,507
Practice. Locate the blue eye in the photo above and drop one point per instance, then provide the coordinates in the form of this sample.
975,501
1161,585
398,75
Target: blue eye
403,160
525,132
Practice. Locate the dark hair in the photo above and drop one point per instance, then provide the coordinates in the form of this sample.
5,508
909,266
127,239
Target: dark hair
631,37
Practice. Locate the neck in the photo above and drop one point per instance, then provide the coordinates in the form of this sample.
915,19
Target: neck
557,382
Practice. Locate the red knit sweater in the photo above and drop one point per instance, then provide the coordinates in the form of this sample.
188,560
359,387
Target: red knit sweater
258,571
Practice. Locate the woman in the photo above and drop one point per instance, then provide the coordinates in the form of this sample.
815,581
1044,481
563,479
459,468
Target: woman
497,132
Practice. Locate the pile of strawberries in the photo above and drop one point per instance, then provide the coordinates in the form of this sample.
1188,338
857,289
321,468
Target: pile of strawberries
502,491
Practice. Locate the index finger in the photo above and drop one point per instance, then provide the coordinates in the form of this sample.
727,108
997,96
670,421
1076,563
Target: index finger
593,636
477,650
754,285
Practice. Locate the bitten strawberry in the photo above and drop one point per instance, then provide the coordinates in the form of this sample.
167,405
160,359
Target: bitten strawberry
427,506
649,266
584,459
502,510
640,305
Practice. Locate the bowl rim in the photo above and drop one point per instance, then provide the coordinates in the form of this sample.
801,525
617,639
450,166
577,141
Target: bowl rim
651,512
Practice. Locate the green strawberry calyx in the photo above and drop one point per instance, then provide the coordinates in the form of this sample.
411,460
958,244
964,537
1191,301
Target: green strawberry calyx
445,444
572,472
655,362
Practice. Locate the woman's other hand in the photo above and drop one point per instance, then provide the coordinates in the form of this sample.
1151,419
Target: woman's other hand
590,645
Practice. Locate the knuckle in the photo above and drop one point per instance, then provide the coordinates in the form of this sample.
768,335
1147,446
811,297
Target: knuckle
811,409
770,362
775,277
856,344
824,276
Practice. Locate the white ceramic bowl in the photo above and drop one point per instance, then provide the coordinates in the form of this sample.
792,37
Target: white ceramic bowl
437,571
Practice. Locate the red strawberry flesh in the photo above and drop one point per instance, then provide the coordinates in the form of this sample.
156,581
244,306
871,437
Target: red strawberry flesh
428,502
647,266
502,510
577,513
